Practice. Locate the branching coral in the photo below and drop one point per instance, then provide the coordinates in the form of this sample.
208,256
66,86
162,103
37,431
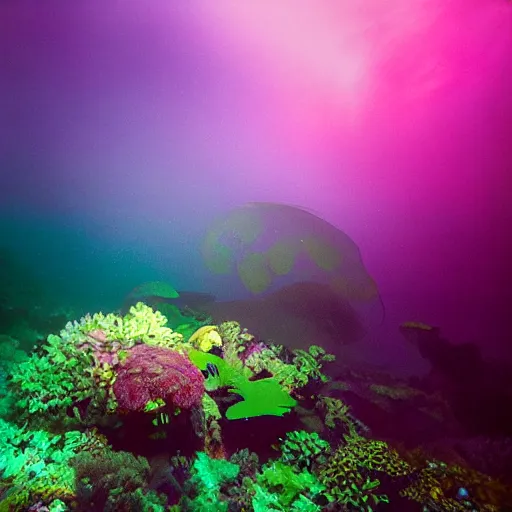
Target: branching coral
140,324
86,354
37,463
337,414
38,387
232,332
306,365
310,362
204,487
280,487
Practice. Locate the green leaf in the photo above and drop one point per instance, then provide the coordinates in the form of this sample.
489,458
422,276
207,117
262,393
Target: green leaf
263,397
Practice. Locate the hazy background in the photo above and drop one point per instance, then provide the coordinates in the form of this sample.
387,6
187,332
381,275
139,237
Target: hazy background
126,126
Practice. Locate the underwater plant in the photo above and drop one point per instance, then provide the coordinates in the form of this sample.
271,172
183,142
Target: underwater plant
304,450
305,365
348,474
113,481
280,487
261,397
37,387
204,486
37,463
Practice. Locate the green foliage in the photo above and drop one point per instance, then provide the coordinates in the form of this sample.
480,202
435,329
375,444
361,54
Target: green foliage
310,362
281,487
360,497
209,474
207,477
39,387
35,461
225,376
210,408
112,481
264,397
304,450
306,365
261,397
349,472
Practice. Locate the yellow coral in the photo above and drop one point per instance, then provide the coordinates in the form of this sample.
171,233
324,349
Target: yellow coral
205,338
437,481
358,458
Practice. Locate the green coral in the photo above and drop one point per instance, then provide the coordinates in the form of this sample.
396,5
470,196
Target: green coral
112,481
36,463
207,477
348,474
304,450
337,414
310,362
306,365
280,487
38,387
360,497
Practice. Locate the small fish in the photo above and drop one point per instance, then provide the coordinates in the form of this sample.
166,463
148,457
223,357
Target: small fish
211,370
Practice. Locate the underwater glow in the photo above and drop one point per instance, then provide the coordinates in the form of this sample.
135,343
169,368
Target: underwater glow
135,125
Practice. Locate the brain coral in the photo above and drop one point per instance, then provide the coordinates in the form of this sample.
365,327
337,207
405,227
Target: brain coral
151,372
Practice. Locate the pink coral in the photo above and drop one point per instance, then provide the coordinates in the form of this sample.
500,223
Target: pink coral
156,372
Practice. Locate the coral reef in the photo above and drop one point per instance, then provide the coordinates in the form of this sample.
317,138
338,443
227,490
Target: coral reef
122,412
